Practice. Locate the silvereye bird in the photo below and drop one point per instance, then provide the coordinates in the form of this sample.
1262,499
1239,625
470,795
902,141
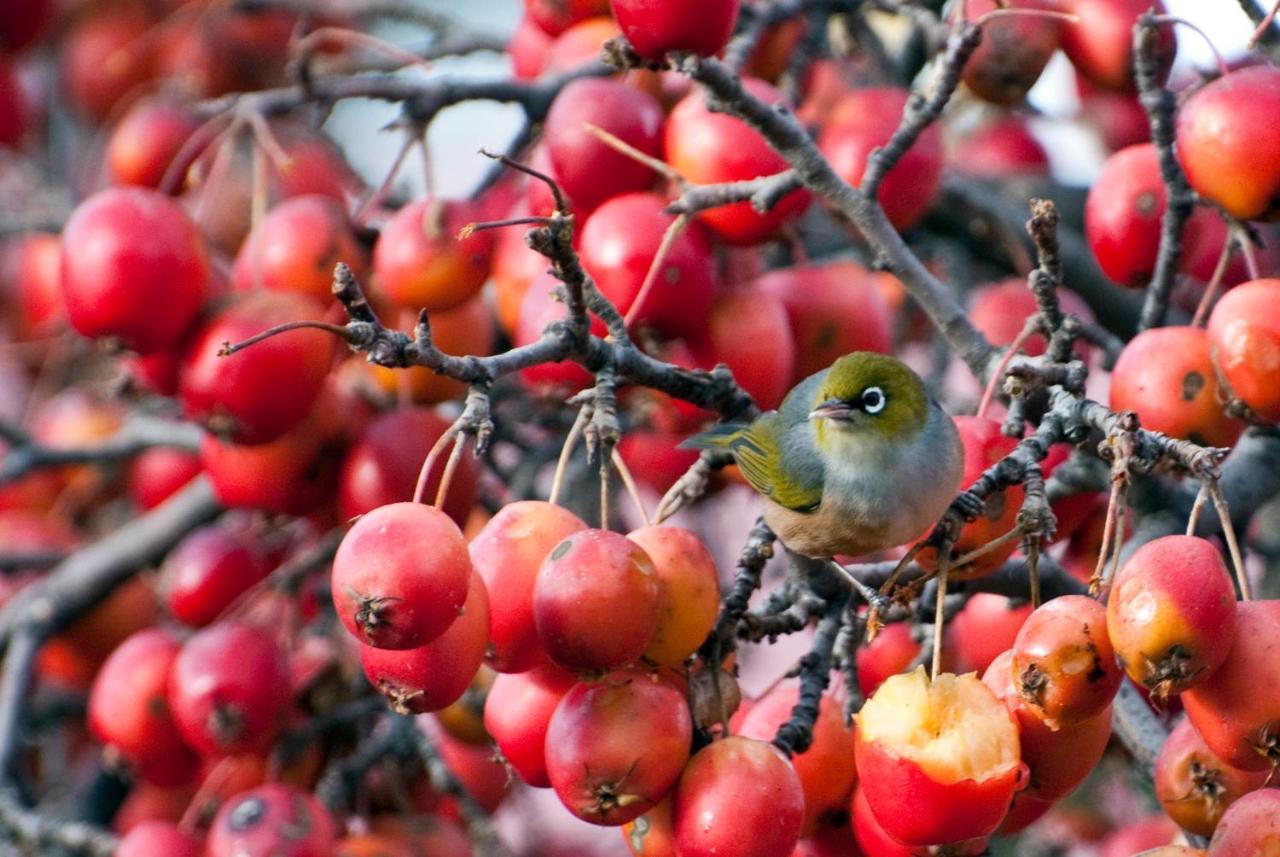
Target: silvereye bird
858,458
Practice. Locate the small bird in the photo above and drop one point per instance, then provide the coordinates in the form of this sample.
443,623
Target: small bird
858,458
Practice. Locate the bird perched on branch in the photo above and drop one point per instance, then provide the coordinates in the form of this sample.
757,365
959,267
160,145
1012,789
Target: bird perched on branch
858,458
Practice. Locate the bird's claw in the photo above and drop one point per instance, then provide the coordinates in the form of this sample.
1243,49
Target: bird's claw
968,505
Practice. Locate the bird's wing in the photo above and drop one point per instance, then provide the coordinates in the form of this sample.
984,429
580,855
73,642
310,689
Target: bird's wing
763,455
763,459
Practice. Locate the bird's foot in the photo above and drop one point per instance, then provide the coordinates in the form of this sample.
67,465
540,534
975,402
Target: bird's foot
968,505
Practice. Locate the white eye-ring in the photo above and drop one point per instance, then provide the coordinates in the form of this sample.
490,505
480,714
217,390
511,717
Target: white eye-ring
873,400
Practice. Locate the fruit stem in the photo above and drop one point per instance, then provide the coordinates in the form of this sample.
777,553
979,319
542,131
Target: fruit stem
450,467
1211,290
668,239
622,147
630,484
375,196
978,553
257,211
939,617
605,468
1028,329
570,441
429,180
266,140
1246,249
420,489
1069,17
1229,531
1118,543
1202,497
201,139
1263,26
1108,536
1223,68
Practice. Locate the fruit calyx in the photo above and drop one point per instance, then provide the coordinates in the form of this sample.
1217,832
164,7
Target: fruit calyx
399,698
1206,786
609,796
1267,746
1169,672
226,723
370,615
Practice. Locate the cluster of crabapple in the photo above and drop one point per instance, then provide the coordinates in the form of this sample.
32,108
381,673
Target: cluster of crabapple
978,761
576,602
1226,361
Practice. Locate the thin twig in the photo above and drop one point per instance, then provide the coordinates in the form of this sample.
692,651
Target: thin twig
228,348
922,112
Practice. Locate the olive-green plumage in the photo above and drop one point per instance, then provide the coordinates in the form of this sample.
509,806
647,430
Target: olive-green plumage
857,458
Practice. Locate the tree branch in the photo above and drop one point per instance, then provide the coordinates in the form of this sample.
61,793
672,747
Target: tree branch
73,587
137,435
1179,198
922,112
421,99
48,605
790,139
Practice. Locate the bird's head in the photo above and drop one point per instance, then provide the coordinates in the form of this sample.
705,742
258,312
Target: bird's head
871,395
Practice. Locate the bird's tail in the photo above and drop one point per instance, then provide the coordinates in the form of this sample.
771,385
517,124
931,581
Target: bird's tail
719,436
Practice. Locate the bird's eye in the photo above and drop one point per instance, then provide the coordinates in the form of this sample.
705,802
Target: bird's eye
873,400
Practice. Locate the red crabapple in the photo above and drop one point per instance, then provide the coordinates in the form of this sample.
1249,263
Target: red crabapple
400,576
229,689
1245,337
1171,614
938,759
1224,143
1063,661
434,676
596,601
657,28
507,553
616,747
738,796
1193,785
137,271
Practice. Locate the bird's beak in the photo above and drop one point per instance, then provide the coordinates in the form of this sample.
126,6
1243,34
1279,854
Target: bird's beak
832,409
